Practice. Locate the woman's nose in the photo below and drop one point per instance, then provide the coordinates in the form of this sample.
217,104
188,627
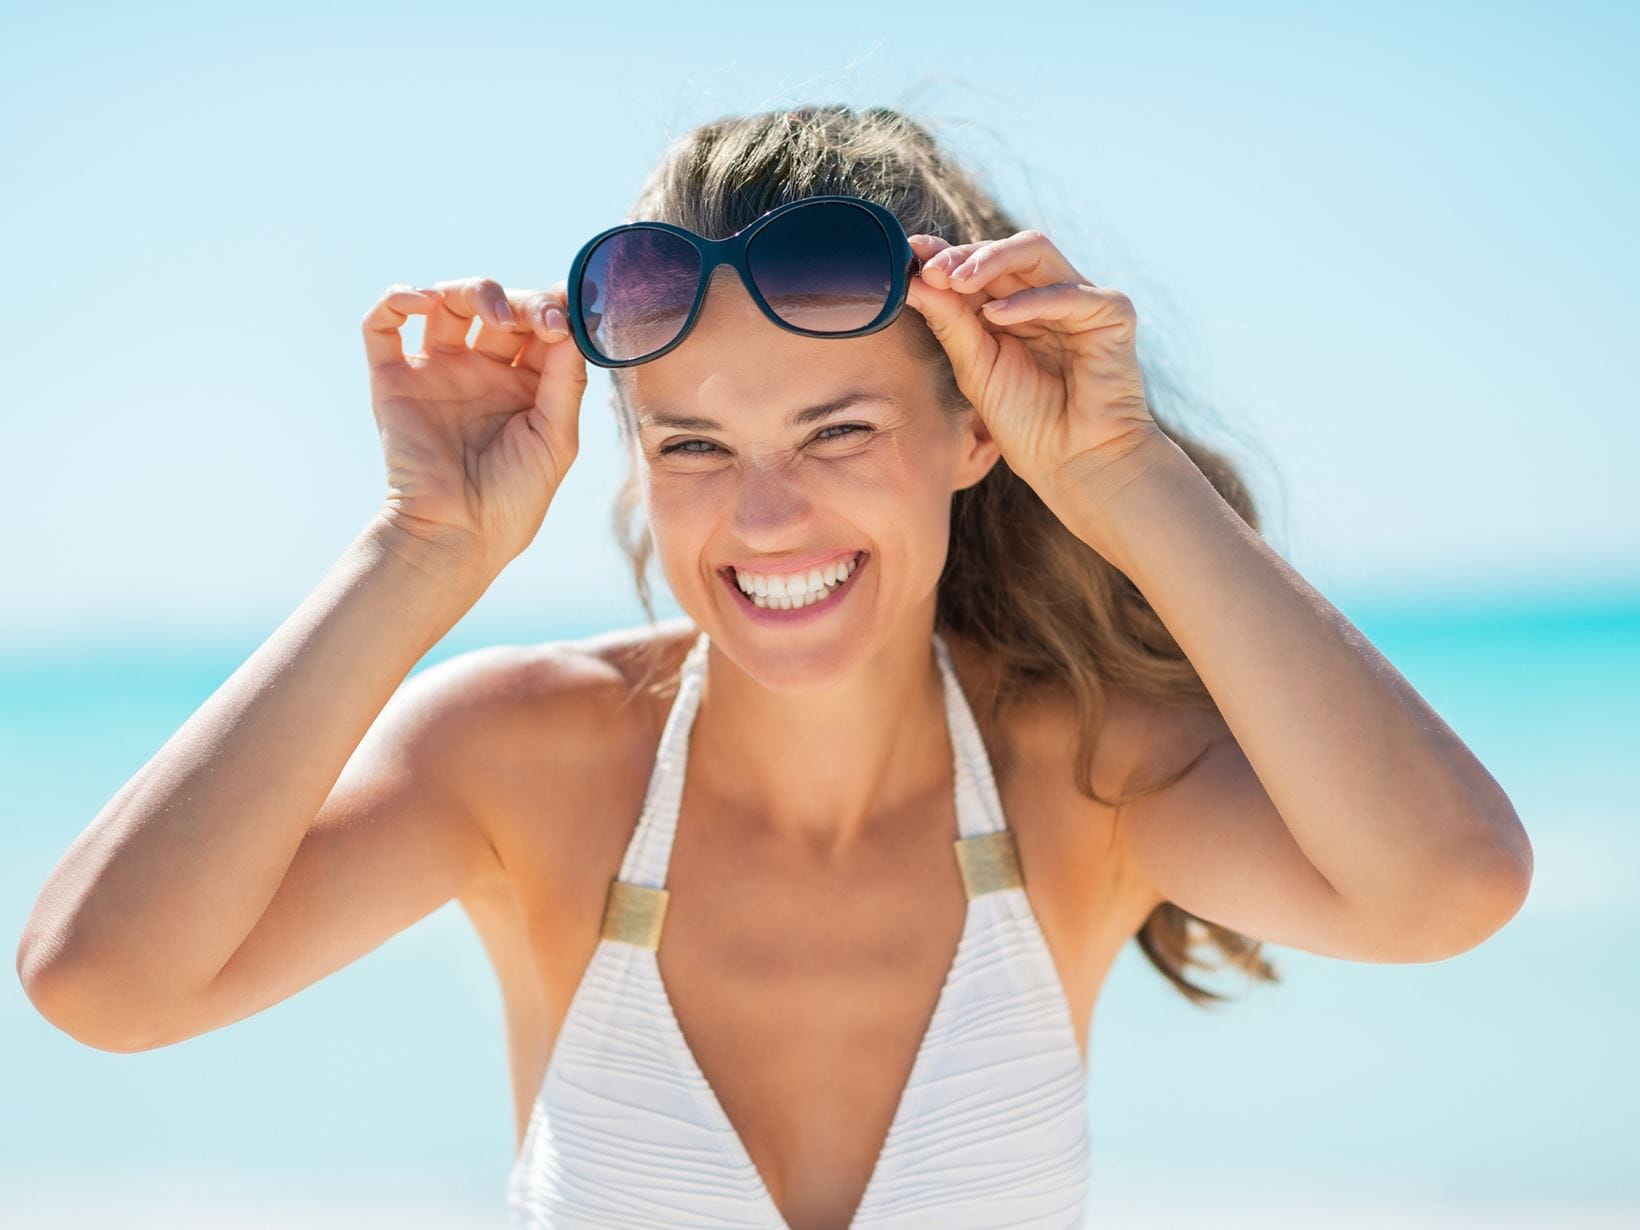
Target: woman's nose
770,504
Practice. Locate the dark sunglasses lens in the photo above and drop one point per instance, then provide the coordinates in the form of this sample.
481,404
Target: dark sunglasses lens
636,291
823,267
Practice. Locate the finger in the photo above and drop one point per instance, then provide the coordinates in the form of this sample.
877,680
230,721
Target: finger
1002,266
556,413
383,343
534,318
504,336
945,259
924,247
1070,306
462,300
548,318
937,270
954,321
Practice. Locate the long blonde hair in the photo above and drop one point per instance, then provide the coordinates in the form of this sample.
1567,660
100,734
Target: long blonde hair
1088,627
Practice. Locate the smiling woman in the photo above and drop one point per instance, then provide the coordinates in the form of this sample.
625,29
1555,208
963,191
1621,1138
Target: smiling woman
790,934
1006,547
1189,858
800,546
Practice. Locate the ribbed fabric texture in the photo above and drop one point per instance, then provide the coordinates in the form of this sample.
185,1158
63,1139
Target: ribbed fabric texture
991,1130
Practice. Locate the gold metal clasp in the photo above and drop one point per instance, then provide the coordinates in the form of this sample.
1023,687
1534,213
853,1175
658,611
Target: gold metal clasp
989,861
633,913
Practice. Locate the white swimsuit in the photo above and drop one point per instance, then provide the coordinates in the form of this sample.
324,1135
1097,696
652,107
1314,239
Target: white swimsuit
991,1129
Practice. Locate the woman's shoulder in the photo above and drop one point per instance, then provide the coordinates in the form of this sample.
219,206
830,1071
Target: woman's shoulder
565,681
640,656
521,718
556,734
1038,728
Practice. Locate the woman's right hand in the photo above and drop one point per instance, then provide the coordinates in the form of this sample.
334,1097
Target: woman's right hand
477,437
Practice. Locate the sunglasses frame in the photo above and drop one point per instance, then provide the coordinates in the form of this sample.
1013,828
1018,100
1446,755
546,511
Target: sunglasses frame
903,264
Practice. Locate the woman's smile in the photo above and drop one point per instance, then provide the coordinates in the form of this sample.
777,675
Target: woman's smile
786,598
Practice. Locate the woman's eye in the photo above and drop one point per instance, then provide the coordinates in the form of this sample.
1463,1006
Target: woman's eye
679,447
851,428
682,446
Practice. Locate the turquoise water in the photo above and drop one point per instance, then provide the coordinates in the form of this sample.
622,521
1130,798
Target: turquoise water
1506,1074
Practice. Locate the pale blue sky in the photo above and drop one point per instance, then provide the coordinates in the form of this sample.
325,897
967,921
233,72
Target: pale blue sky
1392,243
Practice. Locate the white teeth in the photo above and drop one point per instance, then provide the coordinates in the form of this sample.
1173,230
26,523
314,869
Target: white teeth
785,593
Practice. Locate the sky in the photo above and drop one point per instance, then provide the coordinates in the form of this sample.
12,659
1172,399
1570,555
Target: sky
1389,248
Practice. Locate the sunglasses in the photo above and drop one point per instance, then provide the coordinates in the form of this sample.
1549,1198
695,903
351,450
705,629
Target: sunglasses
823,266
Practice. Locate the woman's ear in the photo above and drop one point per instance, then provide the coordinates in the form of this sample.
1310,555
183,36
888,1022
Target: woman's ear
977,450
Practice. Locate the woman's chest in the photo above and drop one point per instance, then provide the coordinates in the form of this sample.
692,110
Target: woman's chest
799,981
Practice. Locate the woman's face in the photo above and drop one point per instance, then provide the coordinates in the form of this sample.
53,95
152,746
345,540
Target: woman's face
747,493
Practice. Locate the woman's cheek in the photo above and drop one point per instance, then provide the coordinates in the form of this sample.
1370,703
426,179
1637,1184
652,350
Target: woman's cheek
681,516
895,474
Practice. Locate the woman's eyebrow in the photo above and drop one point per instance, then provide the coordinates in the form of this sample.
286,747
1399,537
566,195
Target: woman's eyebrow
797,418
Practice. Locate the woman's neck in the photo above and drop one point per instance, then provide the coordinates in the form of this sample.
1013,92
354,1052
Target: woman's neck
822,766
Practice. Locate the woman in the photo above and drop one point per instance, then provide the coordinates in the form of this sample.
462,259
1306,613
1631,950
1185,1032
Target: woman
859,1015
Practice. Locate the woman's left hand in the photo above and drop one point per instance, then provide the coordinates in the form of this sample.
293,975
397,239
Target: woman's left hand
1045,357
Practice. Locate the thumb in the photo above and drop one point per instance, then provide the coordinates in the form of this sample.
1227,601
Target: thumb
558,394
563,379
969,345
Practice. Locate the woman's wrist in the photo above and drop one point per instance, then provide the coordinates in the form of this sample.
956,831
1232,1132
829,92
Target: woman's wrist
450,559
1101,498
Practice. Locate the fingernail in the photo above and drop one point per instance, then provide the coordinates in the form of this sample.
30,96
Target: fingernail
555,321
503,313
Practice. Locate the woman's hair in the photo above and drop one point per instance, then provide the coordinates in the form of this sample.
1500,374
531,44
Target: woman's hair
1047,608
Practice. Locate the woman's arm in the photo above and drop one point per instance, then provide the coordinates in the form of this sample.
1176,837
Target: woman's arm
162,888
241,862
1342,815
1339,812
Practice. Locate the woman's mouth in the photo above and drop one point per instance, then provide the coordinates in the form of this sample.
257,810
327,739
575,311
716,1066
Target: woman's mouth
794,598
